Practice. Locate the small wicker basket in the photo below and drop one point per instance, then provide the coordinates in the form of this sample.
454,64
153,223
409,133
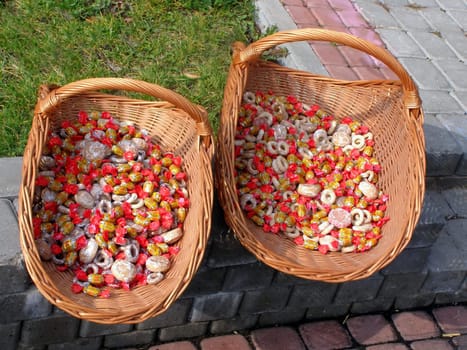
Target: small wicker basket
174,123
392,111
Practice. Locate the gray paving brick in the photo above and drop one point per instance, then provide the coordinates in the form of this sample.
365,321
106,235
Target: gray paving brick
134,338
460,17
435,208
364,289
234,324
22,346
443,153
226,250
334,310
406,284
313,293
175,315
456,124
54,329
10,176
9,334
414,302
452,4
91,329
399,43
457,199
424,235
455,71
79,344
8,233
282,317
376,15
432,44
23,306
461,98
425,73
424,3
13,277
408,261
285,279
409,18
372,306
215,306
264,300
205,281
456,39
451,239
248,277
443,281
189,330
439,20
439,102
451,298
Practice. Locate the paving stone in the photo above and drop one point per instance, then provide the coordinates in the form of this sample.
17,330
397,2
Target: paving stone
282,317
327,17
451,239
459,17
376,15
175,315
225,342
438,344
9,334
414,302
26,305
435,101
415,325
189,330
451,319
456,40
371,329
460,340
129,339
181,345
277,338
402,284
94,343
314,293
443,281
9,232
408,261
325,335
264,300
435,208
248,277
452,4
10,176
54,329
439,20
456,124
327,311
424,235
92,329
370,306
356,57
205,281
236,323
433,45
400,44
227,251
388,346
455,72
341,72
425,73
443,153
301,15
410,19
13,276
215,306
363,289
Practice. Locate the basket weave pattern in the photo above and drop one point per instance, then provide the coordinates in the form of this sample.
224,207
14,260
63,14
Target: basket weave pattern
174,123
392,111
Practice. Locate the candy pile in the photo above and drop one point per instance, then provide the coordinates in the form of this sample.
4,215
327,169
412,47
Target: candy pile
302,173
108,205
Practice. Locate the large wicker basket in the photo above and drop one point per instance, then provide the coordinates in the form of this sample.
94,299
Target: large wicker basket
174,123
391,109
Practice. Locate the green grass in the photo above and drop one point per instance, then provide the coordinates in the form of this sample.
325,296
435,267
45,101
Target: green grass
159,41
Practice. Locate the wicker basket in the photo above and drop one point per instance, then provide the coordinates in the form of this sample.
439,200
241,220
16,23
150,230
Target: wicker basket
174,123
392,111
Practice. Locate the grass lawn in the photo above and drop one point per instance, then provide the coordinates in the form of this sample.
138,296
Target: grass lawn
183,45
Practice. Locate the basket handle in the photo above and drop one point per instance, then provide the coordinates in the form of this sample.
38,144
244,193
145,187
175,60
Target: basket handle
199,114
256,49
